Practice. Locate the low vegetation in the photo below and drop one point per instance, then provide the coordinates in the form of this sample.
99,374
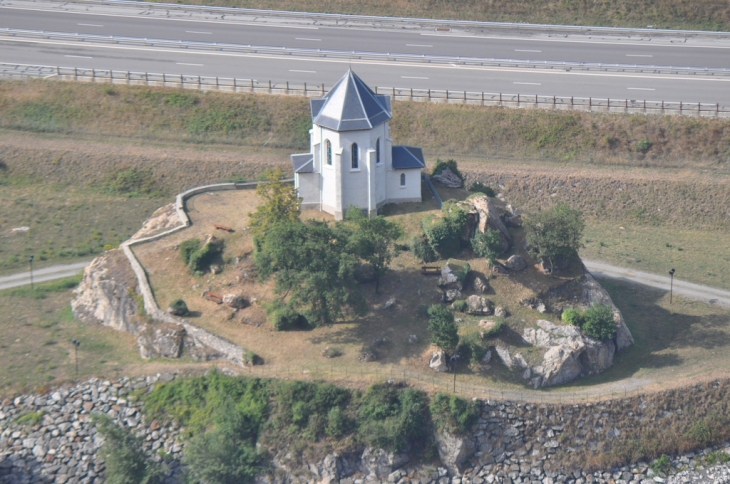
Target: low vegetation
596,322
453,414
663,14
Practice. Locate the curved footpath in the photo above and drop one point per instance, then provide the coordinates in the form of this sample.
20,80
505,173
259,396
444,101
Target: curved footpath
697,292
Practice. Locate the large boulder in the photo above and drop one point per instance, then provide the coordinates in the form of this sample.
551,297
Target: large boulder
594,293
478,305
484,215
569,354
453,274
516,263
235,301
379,463
454,451
106,294
438,361
448,179
480,283
452,295
161,340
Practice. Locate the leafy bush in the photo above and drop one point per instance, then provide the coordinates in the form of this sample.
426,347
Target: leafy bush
422,249
487,244
180,307
471,348
201,259
331,352
572,316
123,454
460,305
188,248
599,323
453,414
442,165
704,432
444,233
336,422
284,318
444,332
479,187
662,465
250,358
132,182
390,418
643,145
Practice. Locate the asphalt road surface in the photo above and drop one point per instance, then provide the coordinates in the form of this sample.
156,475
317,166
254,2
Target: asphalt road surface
371,34
42,275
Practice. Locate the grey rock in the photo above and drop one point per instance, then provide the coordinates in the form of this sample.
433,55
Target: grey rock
516,263
448,179
479,305
454,451
235,301
161,340
438,361
380,463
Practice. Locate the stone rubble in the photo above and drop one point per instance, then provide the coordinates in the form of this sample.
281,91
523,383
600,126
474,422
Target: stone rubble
516,443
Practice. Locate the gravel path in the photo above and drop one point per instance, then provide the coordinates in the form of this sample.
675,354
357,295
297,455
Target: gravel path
689,290
42,275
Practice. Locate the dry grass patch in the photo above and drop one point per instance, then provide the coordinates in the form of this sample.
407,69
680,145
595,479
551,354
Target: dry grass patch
678,14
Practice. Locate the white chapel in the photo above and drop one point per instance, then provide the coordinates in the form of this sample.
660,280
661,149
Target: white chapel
352,160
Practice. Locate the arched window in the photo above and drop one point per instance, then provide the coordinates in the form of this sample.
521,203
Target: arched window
355,152
402,179
328,147
377,152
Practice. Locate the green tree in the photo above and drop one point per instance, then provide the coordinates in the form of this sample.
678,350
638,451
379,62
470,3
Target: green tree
373,240
279,204
126,462
555,233
444,332
311,266
487,244
444,232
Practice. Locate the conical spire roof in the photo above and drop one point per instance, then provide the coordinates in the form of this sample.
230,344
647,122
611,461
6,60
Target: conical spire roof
351,105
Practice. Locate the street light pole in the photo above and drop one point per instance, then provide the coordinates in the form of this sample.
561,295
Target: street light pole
30,261
76,344
671,284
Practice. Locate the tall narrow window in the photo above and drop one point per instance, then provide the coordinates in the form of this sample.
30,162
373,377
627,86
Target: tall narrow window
377,152
402,179
328,147
355,152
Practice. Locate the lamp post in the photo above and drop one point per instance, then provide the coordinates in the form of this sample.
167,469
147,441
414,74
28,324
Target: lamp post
454,360
671,284
30,262
76,344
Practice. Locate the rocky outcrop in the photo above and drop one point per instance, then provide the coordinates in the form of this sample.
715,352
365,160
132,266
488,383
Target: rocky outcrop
161,340
379,463
164,218
438,361
569,354
516,263
453,274
235,301
454,451
594,293
483,215
448,179
479,283
107,294
478,305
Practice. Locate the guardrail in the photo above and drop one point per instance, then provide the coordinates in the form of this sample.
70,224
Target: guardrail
358,55
206,83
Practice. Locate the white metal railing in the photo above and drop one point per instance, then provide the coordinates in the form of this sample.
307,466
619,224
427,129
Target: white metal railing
21,71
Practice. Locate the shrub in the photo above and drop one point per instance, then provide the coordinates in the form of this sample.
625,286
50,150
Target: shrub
599,323
444,332
331,352
460,305
179,306
442,165
336,422
479,187
123,454
703,432
453,414
250,358
132,182
487,245
391,418
201,259
444,233
188,248
284,318
471,349
662,465
422,249
644,145
572,316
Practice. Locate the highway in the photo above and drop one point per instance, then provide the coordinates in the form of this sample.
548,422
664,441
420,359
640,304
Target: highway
531,44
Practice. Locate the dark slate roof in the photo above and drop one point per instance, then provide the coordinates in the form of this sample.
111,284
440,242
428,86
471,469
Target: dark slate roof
351,105
303,163
407,157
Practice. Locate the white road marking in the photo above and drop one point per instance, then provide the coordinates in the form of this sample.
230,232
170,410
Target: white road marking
528,83
306,72
304,38
411,77
640,89
418,45
186,64
91,25
79,56
197,32
526,50
639,55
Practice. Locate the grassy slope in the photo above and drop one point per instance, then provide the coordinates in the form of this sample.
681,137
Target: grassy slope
676,14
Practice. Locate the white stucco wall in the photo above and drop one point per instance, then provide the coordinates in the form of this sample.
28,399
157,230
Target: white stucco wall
410,193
